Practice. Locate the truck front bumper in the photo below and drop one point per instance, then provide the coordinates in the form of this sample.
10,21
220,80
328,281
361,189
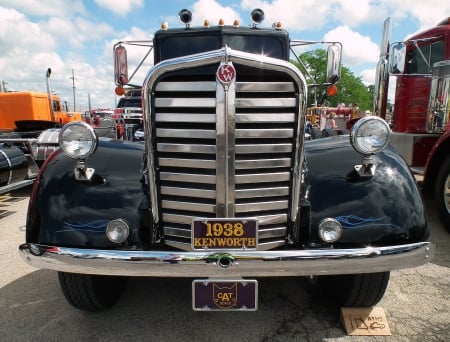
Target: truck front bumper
227,263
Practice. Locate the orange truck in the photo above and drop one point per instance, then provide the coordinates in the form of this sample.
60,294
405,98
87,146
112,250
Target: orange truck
29,130
31,111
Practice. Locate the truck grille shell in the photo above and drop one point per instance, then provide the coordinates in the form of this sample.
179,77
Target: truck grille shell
224,151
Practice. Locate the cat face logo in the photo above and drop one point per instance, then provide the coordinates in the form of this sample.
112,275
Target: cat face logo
226,296
226,73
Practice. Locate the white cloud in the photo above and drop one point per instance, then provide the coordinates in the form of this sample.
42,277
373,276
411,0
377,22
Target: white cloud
120,7
368,76
47,7
212,11
357,49
294,15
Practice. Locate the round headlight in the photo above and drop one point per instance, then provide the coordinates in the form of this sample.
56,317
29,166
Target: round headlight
117,230
78,140
370,135
330,230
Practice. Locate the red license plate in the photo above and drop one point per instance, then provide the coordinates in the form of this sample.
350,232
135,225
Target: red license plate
223,233
224,295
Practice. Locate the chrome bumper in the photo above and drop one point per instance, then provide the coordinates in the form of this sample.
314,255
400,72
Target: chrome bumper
227,263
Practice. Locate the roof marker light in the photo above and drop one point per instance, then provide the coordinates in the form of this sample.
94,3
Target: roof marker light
206,23
236,23
277,25
164,26
221,22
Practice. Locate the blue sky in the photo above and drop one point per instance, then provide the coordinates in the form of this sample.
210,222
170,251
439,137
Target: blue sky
79,35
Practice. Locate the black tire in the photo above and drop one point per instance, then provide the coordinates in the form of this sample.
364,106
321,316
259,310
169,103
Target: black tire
352,290
91,292
315,133
442,193
327,132
358,290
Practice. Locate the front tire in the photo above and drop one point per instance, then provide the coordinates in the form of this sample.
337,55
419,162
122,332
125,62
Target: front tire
442,192
358,290
350,290
91,292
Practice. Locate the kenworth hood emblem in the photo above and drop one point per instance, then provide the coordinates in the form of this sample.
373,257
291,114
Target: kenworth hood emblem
226,73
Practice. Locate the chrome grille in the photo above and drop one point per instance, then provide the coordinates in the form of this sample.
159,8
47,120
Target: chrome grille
191,134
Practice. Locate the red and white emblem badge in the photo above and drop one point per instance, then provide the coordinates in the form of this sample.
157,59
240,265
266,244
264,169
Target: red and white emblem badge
226,73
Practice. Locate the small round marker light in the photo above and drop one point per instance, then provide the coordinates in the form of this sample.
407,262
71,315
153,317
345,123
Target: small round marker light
164,26
119,90
330,230
221,22
236,23
332,90
117,231
278,25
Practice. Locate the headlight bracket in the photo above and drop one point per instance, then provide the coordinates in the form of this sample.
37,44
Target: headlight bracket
82,172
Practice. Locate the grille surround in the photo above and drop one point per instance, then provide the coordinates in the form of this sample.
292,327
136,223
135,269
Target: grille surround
224,151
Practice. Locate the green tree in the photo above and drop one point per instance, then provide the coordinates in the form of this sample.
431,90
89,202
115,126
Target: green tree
351,89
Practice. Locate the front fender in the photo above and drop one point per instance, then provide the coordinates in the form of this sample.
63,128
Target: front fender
64,211
384,209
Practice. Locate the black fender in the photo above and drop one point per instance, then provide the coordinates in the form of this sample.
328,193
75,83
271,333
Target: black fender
68,212
380,210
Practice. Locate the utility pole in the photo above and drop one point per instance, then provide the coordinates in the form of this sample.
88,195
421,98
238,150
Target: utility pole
3,87
73,89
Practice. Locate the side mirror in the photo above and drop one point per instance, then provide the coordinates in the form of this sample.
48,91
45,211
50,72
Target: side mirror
334,56
120,65
397,58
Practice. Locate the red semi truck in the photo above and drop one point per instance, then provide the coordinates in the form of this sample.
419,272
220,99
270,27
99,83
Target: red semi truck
421,115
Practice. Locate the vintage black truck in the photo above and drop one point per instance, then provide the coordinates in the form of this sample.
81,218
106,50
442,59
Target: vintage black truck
225,189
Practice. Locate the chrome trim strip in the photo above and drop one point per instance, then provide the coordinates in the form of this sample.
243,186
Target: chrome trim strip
186,177
186,148
273,87
176,218
267,103
262,177
186,86
262,192
263,148
230,142
265,117
221,155
185,102
245,263
198,207
262,163
193,163
265,133
259,206
186,117
186,133
187,192
8,161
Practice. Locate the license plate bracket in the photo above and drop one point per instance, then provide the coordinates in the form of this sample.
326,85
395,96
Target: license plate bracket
225,295
224,233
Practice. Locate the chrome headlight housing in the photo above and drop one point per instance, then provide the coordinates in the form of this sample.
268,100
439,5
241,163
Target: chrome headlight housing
78,140
370,135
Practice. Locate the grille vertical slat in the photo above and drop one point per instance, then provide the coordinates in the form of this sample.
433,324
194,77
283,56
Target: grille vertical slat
187,136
